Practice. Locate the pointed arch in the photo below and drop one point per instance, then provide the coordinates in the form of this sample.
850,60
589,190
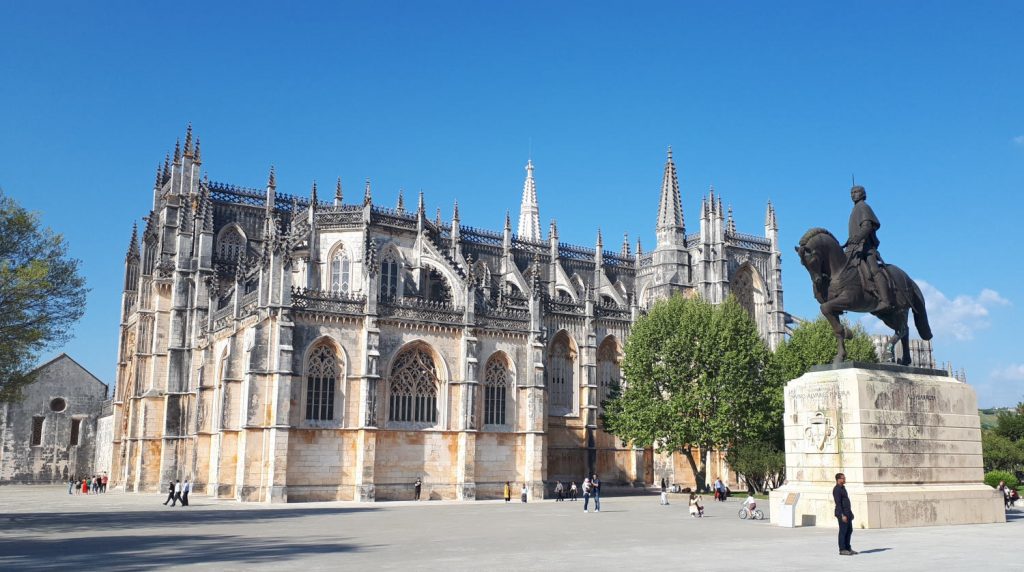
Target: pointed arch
324,370
340,264
391,267
231,242
499,381
561,373
750,292
414,385
609,366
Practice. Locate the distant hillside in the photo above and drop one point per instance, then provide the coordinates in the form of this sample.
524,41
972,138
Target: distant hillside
988,416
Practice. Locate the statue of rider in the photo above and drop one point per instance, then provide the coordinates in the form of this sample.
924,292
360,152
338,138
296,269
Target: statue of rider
862,248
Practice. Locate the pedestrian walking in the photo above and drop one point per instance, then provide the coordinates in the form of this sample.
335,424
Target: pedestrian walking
720,491
85,486
559,492
664,493
170,492
177,492
844,514
103,482
595,485
417,487
522,493
573,491
586,494
185,489
71,484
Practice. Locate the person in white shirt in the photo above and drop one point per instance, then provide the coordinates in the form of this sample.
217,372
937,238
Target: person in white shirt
750,504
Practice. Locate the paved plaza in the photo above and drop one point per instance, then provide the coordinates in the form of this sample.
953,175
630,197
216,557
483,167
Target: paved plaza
44,528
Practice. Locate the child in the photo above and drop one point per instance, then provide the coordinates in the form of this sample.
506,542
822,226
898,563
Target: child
750,504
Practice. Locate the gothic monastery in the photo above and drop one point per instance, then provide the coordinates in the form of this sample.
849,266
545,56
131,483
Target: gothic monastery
281,348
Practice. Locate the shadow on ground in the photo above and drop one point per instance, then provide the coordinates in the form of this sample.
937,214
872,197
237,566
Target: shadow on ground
176,548
162,517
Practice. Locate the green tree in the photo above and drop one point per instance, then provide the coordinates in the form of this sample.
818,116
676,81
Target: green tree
694,378
1010,424
814,343
41,294
1000,453
761,464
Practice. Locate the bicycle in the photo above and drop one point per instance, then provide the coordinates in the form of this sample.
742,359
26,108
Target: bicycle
755,514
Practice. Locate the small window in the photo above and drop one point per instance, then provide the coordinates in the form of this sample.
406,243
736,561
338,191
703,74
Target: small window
37,431
58,404
76,426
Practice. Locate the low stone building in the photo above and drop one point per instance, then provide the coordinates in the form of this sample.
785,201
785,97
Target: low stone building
49,434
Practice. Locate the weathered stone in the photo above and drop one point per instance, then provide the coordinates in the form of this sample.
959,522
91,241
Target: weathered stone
908,441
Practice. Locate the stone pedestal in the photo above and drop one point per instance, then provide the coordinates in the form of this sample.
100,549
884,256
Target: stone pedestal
907,439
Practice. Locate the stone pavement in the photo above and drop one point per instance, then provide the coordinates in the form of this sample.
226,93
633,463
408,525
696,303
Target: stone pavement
44,528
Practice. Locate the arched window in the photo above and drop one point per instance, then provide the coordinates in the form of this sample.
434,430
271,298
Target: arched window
230,243
389,277
341,272
561,374
413,387
607,367
496,377
321,379
437,287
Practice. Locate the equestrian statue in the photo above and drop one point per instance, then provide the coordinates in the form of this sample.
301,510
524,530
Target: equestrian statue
853,278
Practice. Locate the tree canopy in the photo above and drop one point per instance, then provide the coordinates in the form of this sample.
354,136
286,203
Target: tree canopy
814,343
42,294
695,376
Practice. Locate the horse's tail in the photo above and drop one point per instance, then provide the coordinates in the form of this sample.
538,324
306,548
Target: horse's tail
920,314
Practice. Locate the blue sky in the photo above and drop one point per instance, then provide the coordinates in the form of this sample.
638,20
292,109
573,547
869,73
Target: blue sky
924,102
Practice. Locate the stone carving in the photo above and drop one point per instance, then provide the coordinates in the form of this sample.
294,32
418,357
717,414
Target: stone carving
819,431
840,281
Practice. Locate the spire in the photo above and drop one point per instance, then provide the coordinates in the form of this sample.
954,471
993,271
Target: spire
720,211
455,215
367,196
188,140
167,167
508,221
133,245
159,177
625,244
312,196
553,230
195,156
272,180
177,151
769,217
400,207
671,227
639,248
529,212
421,206
437,217
337,193
731,225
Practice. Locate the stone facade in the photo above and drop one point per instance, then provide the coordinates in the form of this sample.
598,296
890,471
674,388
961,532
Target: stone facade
49,435
278,348
907,439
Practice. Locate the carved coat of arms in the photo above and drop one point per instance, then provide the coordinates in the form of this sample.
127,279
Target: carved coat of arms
819,431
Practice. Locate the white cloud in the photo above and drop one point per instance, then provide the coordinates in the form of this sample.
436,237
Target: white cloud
1014,372
1019,140
960,317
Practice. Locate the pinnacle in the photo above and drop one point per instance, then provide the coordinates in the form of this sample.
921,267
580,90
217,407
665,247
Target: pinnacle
455,216
188,140
337,192
367,195
272,179
400,206
312,196
177,151
196,158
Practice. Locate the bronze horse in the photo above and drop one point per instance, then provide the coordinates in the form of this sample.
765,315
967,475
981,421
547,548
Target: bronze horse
838,287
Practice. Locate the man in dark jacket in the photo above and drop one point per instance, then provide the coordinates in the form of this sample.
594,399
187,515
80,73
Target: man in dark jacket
170,492
844,514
